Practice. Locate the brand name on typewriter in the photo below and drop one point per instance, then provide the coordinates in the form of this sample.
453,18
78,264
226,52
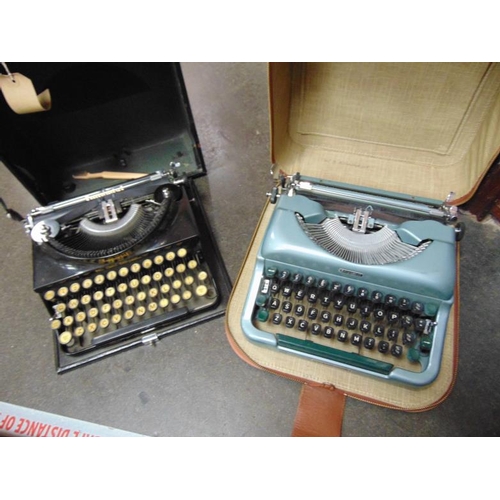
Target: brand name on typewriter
351,273
107,192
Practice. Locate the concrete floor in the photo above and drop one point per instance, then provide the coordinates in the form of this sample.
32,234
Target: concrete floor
192,383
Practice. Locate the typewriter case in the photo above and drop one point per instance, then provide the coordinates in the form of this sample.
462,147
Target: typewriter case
119,118
418,130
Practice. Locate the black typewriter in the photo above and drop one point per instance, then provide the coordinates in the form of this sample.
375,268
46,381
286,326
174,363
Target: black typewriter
123,254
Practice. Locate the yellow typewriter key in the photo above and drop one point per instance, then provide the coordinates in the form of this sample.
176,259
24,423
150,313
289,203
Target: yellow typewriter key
111,276
74,287
116,318
49,295
80,317
63,291
176,284
128,315
192,264
140,311
141,296
157,276
122,287
165,288
117,304
135,268
86,299
202,276
152,306
123,272
79,331
99,279
169,272
129,300
110,291
170,256
181,253
186,295
146,280
175,299
164,303
189,280
104,323
153,292
91,327
158,260
106,308
68,321
98,295
180,268
66,339
60,308
93,312
201,290
73,303
147,263
134,283
55,324
87,283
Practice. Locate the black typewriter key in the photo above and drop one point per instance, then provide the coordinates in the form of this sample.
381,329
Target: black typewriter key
286,291
420,324
336,287
393,317
352,306
369,343
297,278
351,323
365,326
290,322
312,313
310,281
284,275
356,339
299,310
328,333
275,287
338,302
302,325
397,350
390,300
322,284
316,328
377,297
407,321
300,294
417,308
338,320
325,300
342,336
409,338
277,318
365,309
404,303
312,297
326,316
378,330
349,290
383,346
363,293
287,307
392,334
274,304
379,314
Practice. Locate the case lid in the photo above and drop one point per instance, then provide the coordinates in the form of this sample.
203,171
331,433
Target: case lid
131,117
423,129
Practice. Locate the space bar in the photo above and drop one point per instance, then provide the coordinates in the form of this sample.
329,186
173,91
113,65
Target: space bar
332,354
142,327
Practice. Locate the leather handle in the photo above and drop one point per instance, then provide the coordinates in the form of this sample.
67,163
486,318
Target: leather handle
320,412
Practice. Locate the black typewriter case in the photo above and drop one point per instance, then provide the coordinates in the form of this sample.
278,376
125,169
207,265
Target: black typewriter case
118,117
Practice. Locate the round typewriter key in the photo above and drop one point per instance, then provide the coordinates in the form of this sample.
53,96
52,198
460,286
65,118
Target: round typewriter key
79,331
128,315
93,312
369,343
390,300
342,335
302,325
49,295
153,292
157,276
202,276
338,320
104,323
417,308
413,354
328,332
192,264
176,284
147,263
110,291
99,279
146,280
86,299
158,260
392,334
165,288
356,339
80,317
180,268
98,295
87,283
310,281
181,253
383,346
73,303
378,331
122,287
169,272
363,293
106,308
134,283
396,350
55,324
164,303
111,276
116,318
123,272
63,291
170,256
175,299
289,321
135,268
60,308
349,290
117,304
316,328
66,339
141,296
201,290
297,278
152,306
91,327
189,280
377,297
129,300
186,295
74,287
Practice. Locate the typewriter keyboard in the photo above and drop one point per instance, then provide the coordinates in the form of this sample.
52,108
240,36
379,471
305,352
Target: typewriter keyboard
338,321
130,298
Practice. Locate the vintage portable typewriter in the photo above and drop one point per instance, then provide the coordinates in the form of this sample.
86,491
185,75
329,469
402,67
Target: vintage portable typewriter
123,254
355,279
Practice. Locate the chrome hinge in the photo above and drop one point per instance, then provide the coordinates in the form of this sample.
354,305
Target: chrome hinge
150,339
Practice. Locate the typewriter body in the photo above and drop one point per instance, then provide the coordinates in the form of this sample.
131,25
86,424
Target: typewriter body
355,279
123,254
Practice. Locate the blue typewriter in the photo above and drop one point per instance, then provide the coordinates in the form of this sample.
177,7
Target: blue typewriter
356,279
